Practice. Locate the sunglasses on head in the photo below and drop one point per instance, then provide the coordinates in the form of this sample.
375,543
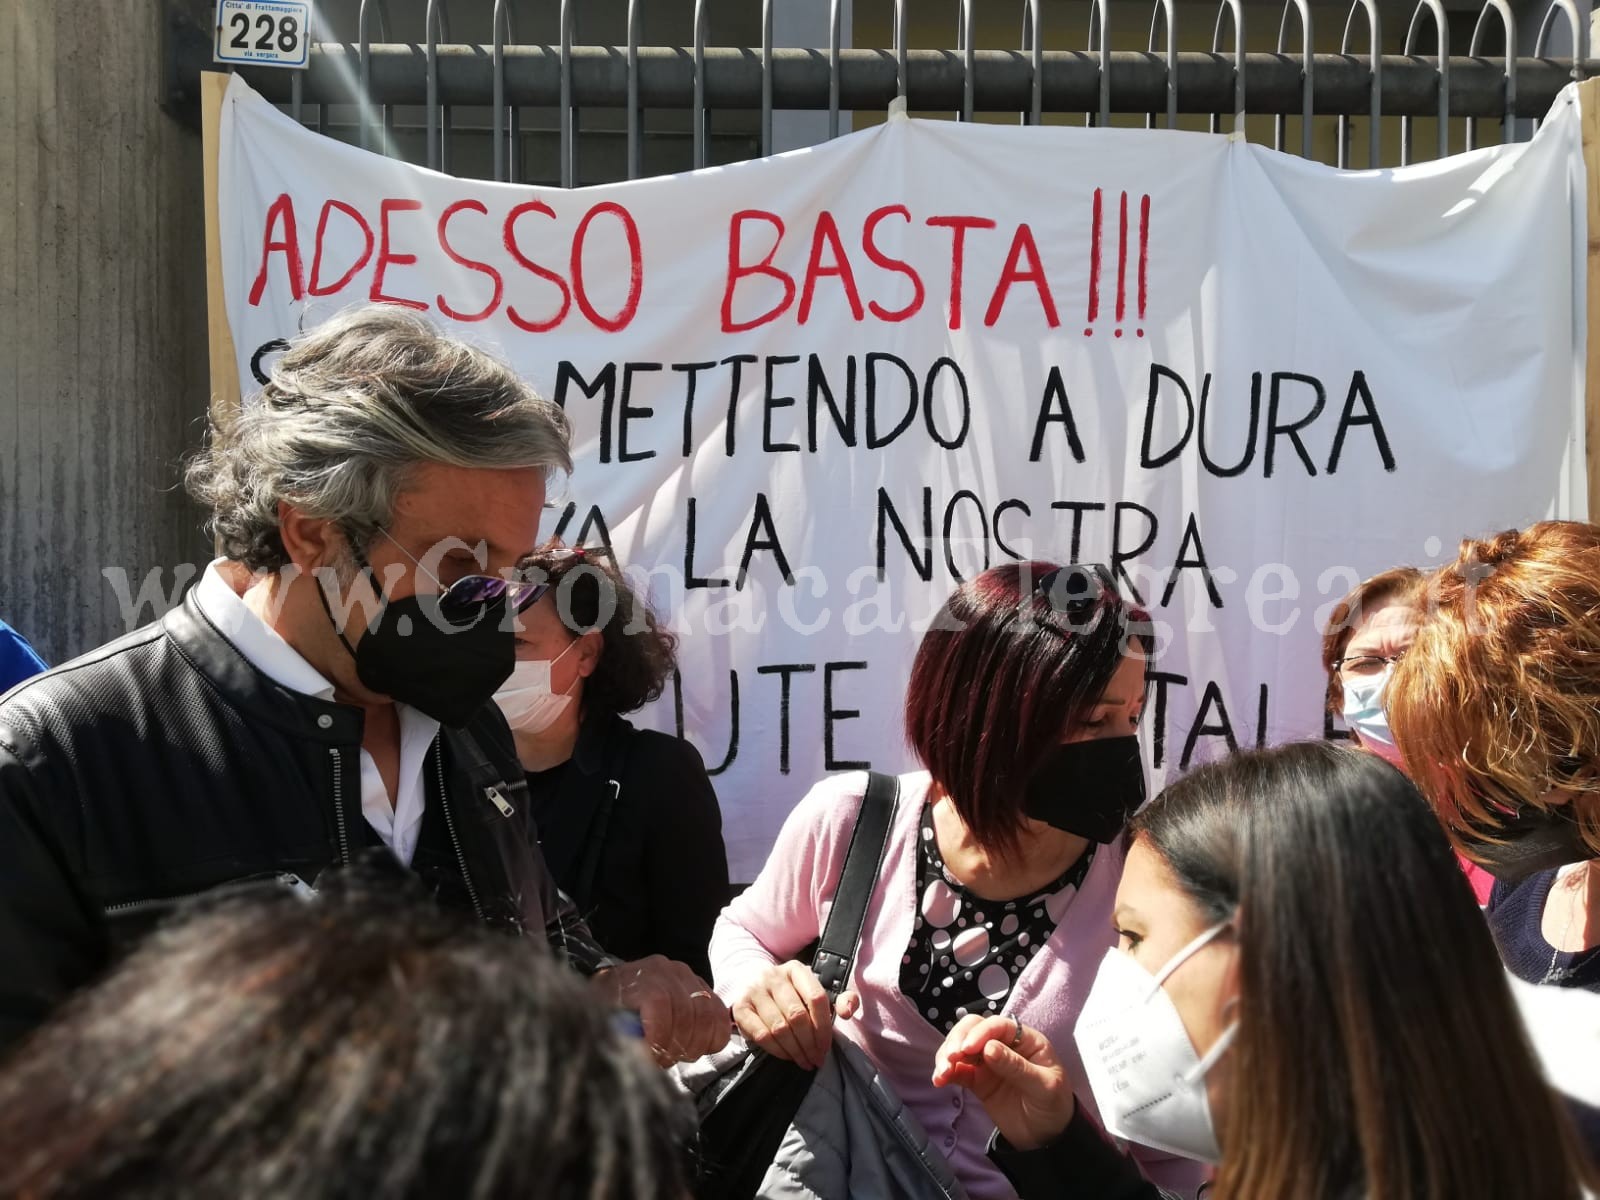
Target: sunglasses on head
469,596
1077,589
539,565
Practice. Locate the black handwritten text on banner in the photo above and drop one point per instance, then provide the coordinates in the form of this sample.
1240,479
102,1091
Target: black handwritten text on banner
814,393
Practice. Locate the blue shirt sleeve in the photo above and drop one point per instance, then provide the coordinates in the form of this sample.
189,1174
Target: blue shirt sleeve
17,659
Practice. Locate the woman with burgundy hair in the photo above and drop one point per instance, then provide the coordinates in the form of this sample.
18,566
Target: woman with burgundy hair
995,892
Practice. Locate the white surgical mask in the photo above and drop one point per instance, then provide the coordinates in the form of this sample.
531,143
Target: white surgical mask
1147,1080
526,698
1363,713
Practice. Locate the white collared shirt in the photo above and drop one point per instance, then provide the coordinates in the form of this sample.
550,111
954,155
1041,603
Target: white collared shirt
397,822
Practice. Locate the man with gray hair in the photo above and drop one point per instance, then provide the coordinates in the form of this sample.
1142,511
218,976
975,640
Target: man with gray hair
324,691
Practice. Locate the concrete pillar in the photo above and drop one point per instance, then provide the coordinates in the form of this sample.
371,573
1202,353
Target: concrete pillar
102,319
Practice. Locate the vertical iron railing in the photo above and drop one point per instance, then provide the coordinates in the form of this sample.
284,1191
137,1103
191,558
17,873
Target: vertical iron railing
1167,9
1441,29
482,92
1307,70
1235,9
1375,69
1508,32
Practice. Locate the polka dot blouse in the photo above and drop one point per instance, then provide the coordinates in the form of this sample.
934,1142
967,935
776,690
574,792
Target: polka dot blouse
966,952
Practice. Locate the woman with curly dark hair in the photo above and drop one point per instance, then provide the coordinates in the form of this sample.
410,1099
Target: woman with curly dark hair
627,817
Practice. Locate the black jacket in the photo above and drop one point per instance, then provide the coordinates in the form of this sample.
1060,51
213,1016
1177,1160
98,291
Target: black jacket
631,830
164,765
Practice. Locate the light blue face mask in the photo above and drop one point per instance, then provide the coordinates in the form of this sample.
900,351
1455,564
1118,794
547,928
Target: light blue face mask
1363,713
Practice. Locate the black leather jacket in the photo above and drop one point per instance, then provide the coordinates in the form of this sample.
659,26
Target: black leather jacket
164,765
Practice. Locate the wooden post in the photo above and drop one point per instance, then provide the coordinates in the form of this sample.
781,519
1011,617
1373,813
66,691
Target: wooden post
1589,103
224,363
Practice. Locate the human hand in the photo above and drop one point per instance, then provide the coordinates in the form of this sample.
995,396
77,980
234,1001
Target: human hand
787,1013
1014,1072
682,1018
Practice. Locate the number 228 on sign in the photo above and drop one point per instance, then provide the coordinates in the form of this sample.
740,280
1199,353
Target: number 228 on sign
268,33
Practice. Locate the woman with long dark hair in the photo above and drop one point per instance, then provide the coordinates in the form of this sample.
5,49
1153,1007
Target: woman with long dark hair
995,891
1303,991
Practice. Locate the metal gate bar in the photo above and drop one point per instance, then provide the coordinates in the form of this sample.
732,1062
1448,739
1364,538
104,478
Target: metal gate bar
1004,80
378,68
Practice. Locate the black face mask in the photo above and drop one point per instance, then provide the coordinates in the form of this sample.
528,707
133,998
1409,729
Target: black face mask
1088,788
413,653
1532,841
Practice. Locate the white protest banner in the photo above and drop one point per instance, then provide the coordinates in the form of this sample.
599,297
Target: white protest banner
813,393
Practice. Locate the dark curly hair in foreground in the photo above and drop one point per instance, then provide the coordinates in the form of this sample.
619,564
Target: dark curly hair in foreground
357,1044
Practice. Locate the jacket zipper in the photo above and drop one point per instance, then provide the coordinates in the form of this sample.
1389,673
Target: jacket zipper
338,804
450,824
497,798
288,879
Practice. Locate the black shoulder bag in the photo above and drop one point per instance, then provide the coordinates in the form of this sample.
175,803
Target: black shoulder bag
744,1116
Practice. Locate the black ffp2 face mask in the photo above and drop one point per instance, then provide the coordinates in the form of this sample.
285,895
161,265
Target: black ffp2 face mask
416,654
1088,788
1533,840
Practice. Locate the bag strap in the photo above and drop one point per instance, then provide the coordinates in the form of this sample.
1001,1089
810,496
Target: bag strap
836,951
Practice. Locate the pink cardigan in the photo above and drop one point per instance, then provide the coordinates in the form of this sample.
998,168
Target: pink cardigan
786,907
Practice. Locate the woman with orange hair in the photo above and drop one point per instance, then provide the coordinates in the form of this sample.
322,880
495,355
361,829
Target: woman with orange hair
1496,708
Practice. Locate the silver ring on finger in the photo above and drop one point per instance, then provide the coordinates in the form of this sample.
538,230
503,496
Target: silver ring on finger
1016,1038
